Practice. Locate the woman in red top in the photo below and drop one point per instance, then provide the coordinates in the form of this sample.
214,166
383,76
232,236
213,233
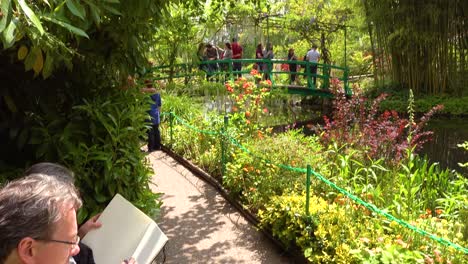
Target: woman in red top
236,55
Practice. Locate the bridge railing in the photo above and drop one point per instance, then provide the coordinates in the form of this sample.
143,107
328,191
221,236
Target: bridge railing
278,71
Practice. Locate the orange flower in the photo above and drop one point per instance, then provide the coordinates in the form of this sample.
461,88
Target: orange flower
253,72
235,109
265,110
402,243
260,134
439,211
247,114
247,121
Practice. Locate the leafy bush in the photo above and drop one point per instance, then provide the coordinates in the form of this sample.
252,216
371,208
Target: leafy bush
356,124
342,232
256,176
266,173
100,142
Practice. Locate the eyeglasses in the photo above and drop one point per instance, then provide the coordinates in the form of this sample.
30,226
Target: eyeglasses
73,244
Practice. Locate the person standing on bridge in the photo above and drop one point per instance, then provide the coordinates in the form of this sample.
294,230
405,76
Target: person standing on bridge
259,56
313,56
212,55
237,53
227,55
268,66
292,66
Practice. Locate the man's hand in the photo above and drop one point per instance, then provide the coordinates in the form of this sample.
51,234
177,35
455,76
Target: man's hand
91,224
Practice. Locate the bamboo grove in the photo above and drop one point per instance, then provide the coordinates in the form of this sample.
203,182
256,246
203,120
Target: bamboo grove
420,44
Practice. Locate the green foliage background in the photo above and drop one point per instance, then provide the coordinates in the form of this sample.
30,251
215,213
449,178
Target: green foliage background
62,67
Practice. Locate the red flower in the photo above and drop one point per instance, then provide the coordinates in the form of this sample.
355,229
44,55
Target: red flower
253,72
265,110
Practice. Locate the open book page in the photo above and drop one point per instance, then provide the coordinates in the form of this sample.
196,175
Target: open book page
150,245
123,228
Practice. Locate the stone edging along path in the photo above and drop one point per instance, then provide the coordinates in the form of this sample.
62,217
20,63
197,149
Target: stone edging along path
293,252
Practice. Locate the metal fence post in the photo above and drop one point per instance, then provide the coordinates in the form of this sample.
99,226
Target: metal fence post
223,145
171,124
309,172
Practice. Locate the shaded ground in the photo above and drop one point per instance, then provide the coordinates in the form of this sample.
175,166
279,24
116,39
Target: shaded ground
201,226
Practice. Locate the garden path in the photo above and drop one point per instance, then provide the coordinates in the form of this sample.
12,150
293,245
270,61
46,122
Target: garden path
201,225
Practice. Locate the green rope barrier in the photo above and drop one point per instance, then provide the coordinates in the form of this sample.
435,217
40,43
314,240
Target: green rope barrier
353,197
194,128
374,208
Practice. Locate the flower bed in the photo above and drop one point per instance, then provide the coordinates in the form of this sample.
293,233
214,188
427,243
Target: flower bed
265,172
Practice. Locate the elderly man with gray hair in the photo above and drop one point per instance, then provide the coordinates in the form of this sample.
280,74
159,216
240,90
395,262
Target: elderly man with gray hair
38,221
38,218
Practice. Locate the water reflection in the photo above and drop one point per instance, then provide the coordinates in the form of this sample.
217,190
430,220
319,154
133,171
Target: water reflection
443,148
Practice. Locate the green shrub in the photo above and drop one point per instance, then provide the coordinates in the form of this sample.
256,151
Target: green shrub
100,141
256,176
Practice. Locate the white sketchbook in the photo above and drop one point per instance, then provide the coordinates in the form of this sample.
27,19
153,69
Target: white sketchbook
125,232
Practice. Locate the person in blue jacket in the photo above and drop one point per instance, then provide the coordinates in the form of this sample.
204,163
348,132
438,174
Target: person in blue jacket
154,135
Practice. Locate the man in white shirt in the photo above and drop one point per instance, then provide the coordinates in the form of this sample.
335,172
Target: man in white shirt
313,56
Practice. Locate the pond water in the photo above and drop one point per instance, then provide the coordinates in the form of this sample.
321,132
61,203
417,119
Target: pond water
443,148
288,112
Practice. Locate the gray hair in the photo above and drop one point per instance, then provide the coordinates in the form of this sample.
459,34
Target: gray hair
31,207
51,169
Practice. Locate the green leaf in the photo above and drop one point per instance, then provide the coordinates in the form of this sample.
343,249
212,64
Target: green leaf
22,139
100,198
76,8
31,15
47,2
48,66
112,1
112,10
31,58
5,10
10,103
73,29
95,12
9,35
82,214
